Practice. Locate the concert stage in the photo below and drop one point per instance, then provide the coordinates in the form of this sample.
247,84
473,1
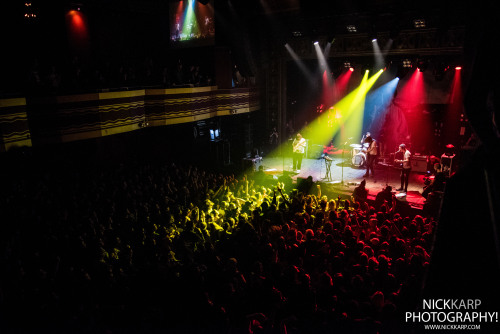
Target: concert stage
344,177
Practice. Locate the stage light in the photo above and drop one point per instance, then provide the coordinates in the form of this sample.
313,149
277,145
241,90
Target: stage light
440,70
374,40
406,63
331,38
449,150
422,65
316,43
419,23
351,28
351,69
30,12
77,28
458,68
75,6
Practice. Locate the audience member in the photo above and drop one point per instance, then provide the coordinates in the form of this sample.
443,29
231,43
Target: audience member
164,246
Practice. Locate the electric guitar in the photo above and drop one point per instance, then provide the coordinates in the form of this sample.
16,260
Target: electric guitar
398,159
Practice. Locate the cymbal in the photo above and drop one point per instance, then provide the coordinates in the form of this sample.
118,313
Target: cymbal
355,145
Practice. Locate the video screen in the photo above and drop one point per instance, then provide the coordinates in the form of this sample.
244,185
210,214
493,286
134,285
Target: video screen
192,23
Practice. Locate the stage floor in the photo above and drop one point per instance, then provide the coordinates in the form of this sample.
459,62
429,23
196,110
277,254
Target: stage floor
345,177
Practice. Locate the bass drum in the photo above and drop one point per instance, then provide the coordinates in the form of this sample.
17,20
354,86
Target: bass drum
359,159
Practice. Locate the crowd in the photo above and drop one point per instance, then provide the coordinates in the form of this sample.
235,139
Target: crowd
76,76
149,247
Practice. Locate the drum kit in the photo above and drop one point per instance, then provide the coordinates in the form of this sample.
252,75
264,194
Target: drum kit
359,154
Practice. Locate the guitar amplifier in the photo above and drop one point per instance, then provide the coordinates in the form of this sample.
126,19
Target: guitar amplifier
419,163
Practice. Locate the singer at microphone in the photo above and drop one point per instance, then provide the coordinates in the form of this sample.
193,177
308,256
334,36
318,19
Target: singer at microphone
406,167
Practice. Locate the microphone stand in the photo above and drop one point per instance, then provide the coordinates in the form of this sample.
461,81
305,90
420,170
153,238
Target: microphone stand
343,162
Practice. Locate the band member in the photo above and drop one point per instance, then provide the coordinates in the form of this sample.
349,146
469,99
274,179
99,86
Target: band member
368,134
371,154
298,149
406,167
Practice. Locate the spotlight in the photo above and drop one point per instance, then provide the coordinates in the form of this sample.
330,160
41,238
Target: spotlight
316,43
440,70
449,150
349,66
458,68
374,40
76,6
422,65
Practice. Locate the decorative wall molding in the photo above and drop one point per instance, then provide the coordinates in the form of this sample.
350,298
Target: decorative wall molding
14,130
75,117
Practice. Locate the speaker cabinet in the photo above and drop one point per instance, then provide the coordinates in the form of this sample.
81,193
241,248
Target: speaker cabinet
419,163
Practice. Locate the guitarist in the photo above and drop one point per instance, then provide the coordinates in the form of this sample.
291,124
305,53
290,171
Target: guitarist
298,149
406,167
371,154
